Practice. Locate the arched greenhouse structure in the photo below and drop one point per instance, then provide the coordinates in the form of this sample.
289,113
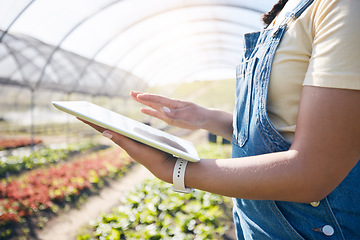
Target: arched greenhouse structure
100,50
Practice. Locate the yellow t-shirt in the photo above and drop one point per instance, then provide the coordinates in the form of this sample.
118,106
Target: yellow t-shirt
320,48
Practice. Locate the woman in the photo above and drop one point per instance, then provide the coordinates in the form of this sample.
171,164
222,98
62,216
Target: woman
302,70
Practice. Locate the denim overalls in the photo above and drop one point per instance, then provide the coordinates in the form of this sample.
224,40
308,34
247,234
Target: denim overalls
335,217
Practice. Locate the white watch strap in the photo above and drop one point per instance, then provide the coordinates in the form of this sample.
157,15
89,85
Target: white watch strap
179,175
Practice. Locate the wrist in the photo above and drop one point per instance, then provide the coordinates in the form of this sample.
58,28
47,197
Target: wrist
179,176
165,171
219,123
212,116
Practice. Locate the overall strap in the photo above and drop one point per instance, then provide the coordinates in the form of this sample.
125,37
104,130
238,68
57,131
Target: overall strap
294,14
300,8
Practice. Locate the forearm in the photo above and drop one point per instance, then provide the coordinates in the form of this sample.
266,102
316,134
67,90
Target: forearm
324,150
219,123
275,176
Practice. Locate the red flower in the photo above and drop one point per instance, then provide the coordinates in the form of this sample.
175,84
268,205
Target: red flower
36,190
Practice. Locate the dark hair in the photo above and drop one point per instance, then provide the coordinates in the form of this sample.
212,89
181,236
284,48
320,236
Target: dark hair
269,16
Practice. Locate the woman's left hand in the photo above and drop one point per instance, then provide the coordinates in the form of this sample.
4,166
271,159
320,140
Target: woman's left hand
159,163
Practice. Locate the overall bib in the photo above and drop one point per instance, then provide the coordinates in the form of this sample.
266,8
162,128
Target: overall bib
335,217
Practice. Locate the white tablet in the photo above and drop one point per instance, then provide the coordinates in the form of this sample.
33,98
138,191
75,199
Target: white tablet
130,128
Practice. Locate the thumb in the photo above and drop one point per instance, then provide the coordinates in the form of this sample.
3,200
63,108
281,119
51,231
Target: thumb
107,134
144,154
124,142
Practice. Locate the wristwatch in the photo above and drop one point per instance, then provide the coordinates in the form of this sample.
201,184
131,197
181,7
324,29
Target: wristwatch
179,175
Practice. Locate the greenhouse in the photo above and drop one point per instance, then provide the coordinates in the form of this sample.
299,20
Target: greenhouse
100,50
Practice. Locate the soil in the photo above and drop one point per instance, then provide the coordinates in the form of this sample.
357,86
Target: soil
65,226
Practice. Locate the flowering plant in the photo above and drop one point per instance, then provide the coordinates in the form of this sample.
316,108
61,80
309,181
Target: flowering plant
40,189
15,143
15,164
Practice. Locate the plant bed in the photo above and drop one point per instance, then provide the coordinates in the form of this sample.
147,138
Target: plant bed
154,211
29,200
13,164
6,144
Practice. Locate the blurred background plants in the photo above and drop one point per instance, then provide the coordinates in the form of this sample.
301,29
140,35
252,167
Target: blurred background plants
154,211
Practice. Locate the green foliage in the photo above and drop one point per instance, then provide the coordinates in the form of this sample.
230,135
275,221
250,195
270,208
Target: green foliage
24,199
15,164
154,211
214,151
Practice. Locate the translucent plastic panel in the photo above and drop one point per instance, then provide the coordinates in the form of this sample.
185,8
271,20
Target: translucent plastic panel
109,46
146,54
201,47
225,45
8,64
176,70
144,46
112,21
251,5
10,10
51,21
128,27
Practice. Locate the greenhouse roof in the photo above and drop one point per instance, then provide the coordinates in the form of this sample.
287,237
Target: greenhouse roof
106,47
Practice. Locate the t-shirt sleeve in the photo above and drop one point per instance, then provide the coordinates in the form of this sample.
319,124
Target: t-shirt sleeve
335,58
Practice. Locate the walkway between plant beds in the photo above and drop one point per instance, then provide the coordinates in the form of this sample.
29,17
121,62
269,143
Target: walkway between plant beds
65,226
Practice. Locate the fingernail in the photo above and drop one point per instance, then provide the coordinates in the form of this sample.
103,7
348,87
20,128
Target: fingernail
166,109
107,134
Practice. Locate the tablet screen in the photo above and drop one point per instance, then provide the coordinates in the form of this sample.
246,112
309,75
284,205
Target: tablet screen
130,128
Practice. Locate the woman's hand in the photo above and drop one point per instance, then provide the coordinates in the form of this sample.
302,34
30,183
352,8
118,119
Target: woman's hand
174,112
159,163
186,114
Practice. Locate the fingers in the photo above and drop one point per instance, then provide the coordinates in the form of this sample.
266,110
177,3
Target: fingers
155,101
119,139
153,113
174,112
141,153
149,104
129,145
159,100
115,137
160,104
134,93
